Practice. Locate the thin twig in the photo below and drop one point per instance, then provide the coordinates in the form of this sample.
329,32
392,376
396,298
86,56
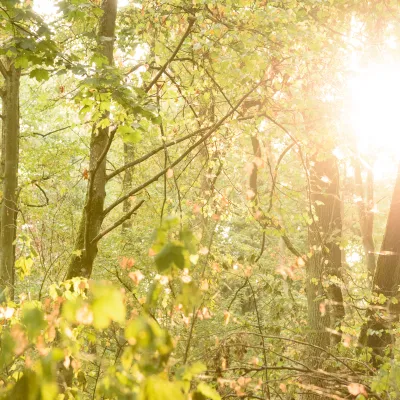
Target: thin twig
164,67
179,159
117,223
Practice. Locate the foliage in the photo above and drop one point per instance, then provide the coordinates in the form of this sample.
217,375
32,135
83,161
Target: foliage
216,115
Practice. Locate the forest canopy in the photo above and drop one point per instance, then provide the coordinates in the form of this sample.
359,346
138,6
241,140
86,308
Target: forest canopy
199,199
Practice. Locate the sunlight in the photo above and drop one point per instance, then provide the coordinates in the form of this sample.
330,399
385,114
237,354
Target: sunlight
45,7
374,116
374,113
48,7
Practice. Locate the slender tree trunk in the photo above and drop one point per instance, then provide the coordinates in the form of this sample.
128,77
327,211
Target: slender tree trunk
92,217
366,217
376,332
325,236
129,155
325,305
10,146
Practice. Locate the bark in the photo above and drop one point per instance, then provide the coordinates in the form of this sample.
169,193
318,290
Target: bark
10,158
366,217
92,217
326,261
129,155
325,305
386,282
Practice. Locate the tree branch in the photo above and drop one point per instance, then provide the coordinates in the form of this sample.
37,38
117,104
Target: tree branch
117,223
3,70
51,132
164,67
179,159
153,152
275,175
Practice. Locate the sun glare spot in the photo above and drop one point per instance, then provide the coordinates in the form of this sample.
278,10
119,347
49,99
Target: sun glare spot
374,95
353,258
48,8
45,7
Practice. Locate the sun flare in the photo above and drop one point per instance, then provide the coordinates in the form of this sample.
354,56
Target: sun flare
48,8
374,94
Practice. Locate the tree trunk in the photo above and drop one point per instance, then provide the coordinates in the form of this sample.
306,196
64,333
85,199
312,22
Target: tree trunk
366,217
325,305
129,155
10,158
325,236
386,282
92,217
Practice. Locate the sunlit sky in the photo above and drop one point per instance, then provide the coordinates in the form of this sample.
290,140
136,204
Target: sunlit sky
374,115
47,7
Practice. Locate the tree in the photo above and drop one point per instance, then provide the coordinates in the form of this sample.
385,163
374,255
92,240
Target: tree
27,42
101,139
325,306
10,155
221,127
377,332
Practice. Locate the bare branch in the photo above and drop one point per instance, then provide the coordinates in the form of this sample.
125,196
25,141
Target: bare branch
153,152
179,159
276,174
164,67
51,132
117,223
3,70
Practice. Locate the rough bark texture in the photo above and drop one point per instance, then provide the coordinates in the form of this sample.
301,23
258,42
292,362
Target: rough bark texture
92,217
324,237
366,217
325,305
386,282
129,156
10,146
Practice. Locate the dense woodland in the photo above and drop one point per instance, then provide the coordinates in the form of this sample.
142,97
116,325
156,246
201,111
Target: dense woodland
186,211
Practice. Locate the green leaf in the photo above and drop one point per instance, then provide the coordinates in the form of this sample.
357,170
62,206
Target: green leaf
160,389
172,254
190,372
23,266
40,74
21,62
7,348
189,297
107,305
187,237
207,391
129,135
33,319
27,387
99,60
145,334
